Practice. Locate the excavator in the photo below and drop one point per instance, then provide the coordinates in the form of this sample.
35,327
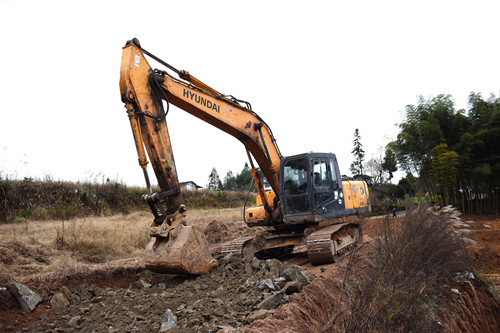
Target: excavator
308,204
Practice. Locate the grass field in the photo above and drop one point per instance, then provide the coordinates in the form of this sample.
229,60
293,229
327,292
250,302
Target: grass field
56,248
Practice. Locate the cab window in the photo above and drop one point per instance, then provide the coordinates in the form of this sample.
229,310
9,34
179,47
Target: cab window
320,174
295,175
335,183
295,186
321,182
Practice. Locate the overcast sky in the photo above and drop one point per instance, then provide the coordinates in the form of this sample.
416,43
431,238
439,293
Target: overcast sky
313,70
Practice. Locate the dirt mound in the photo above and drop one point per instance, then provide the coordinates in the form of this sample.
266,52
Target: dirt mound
492,236
216,231
26,258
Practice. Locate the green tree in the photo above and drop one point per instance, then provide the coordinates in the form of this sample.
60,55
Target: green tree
239,182
358,153
390,164
444,169
244,179
454,153
230,182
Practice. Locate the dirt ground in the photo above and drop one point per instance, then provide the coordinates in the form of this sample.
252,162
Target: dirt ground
124,297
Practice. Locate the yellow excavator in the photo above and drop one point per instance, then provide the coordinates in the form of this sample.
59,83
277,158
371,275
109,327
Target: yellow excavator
308,206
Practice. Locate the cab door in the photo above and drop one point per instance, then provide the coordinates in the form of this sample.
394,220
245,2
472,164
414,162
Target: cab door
322,186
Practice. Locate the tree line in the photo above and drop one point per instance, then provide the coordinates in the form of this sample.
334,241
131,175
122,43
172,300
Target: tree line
239,182
450,156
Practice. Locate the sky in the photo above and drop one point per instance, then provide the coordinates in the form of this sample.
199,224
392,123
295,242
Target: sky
313,70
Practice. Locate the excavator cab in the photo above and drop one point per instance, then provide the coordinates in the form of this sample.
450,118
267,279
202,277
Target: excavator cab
311,188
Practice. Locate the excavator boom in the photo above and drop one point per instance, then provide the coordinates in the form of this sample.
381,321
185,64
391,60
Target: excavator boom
143,90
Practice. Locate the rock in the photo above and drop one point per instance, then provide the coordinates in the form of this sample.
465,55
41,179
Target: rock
66,292
469,241
251,281
267,284
95,291
293,273
291,287
27,298
145,284
280,282
270,302
248,268
259,314
75,321
59,302
169,321
308,274
255,263
84,310
274,266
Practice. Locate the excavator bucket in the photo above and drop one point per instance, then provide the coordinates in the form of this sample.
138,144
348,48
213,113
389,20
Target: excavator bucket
184,251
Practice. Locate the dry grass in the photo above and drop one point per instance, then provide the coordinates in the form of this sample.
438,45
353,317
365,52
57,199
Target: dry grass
59,248
414,258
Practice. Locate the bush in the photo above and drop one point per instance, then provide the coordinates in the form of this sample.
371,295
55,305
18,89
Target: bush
33,199
206,199
414,259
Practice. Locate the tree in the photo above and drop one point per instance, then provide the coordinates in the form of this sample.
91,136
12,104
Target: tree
244,179
358,153
239,182
454,153
444,169
373,168
213,180
389,164
230,182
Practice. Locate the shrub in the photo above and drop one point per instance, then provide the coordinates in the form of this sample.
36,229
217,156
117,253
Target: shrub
34,199
414,258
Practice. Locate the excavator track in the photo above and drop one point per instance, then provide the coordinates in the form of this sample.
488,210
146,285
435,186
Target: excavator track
332,243
235,247
327,244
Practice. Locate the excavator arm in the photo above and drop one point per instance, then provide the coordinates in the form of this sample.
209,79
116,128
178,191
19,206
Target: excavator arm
143,91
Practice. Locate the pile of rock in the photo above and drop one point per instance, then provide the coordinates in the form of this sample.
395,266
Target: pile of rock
459,227
232,295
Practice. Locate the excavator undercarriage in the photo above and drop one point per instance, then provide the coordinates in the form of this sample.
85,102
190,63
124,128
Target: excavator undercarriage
323,244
